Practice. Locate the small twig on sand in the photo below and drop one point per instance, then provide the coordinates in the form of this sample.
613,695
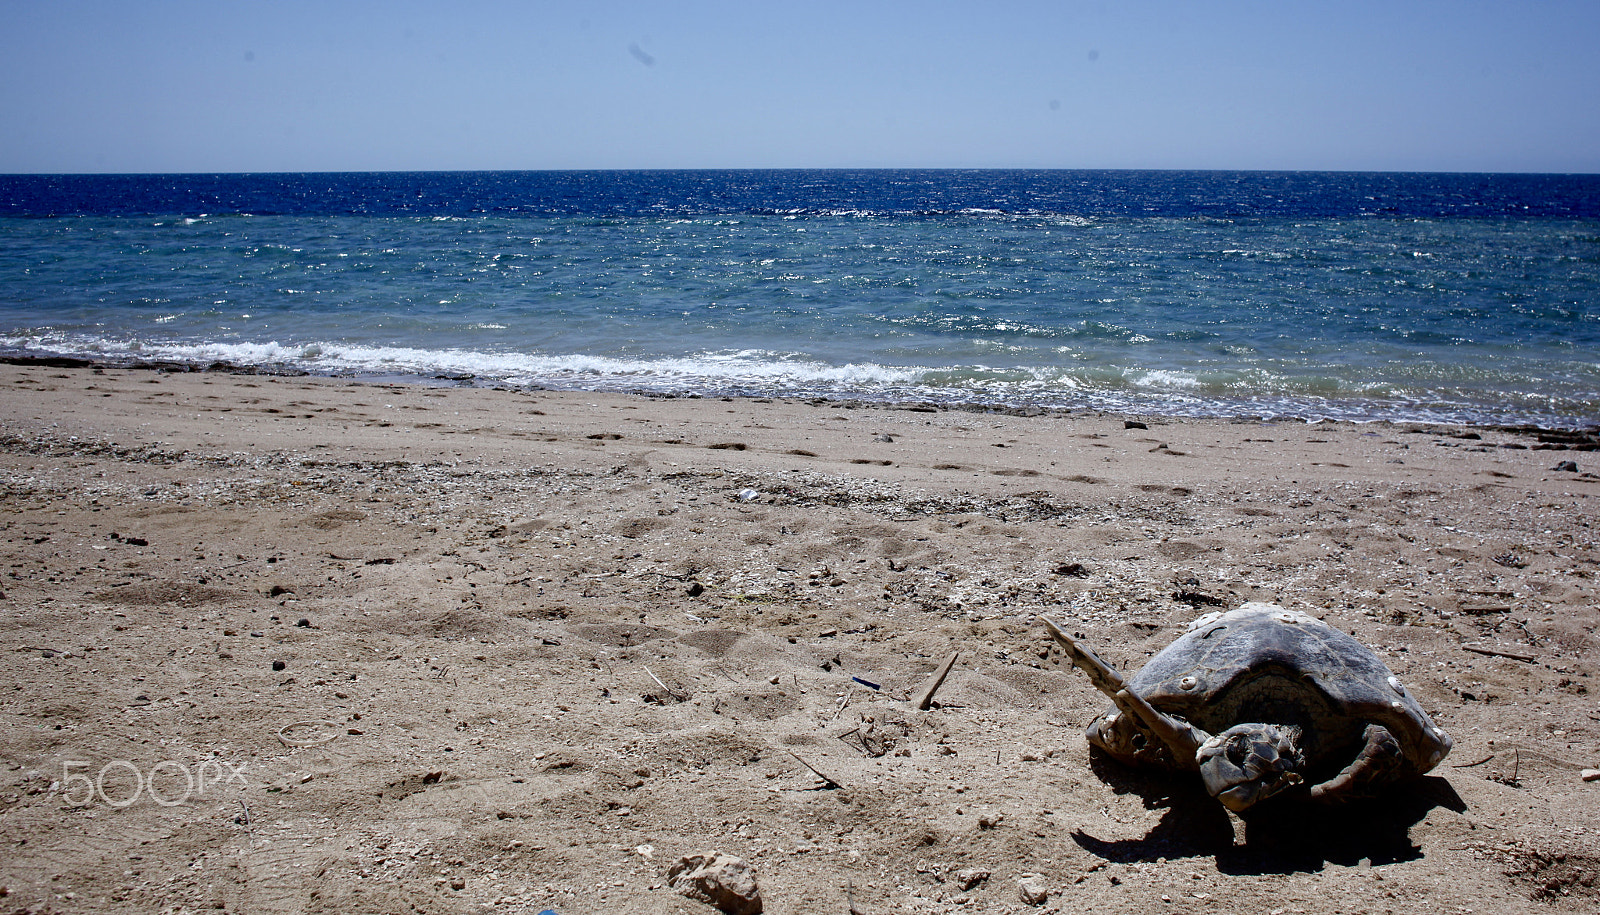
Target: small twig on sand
1500,654
687,576
829,779
856,731
843,704
1471,764
924,699
1523,625
670,691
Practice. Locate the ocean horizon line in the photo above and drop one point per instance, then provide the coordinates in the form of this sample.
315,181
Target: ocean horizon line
780,169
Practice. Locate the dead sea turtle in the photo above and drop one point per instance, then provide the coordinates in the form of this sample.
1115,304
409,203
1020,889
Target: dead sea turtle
1260,700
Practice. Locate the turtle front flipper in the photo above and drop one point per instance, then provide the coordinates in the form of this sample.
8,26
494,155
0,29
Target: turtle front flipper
1123,734
1105,679
1181,737
1380,763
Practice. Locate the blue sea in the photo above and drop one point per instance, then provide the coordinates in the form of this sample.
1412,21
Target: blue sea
1410,297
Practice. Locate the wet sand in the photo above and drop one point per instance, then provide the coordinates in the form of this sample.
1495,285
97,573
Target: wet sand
308,644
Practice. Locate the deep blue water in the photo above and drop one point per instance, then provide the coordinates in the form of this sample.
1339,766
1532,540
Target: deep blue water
881,192
1466,298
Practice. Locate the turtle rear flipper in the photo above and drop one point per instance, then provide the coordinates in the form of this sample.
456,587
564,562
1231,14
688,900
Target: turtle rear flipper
1380,763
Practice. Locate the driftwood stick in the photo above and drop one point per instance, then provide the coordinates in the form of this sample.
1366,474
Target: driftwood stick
850,896
1500,654
924,699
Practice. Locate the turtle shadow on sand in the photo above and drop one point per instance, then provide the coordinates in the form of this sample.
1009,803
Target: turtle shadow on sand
1286,836
1192,824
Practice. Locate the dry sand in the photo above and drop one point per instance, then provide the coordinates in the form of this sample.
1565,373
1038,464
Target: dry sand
395,648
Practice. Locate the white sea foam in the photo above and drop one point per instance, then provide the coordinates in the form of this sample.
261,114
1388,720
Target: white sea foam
762,372
1167,380
704,370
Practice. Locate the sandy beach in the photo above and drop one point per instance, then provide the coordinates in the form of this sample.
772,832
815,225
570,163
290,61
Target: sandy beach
298,644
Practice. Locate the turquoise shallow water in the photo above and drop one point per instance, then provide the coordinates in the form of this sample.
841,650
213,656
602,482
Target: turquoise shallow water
1199,309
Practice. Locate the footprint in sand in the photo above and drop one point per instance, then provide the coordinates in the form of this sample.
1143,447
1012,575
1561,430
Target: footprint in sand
330,520
621,635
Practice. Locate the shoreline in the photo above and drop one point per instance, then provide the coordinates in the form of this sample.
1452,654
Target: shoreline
467,649
1578,436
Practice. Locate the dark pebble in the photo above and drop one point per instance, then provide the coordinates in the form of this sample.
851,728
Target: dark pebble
278,665
1133,424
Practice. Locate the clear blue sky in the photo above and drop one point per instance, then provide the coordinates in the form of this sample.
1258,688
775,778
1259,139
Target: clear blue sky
286,85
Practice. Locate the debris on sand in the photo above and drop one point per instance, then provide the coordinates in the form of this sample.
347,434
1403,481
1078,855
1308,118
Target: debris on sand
1033,890
719,880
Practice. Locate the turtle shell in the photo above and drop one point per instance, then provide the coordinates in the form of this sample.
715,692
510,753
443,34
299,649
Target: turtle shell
1262,663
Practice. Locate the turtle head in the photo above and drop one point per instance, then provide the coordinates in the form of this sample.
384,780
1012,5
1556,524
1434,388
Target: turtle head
1127,738
1248,763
